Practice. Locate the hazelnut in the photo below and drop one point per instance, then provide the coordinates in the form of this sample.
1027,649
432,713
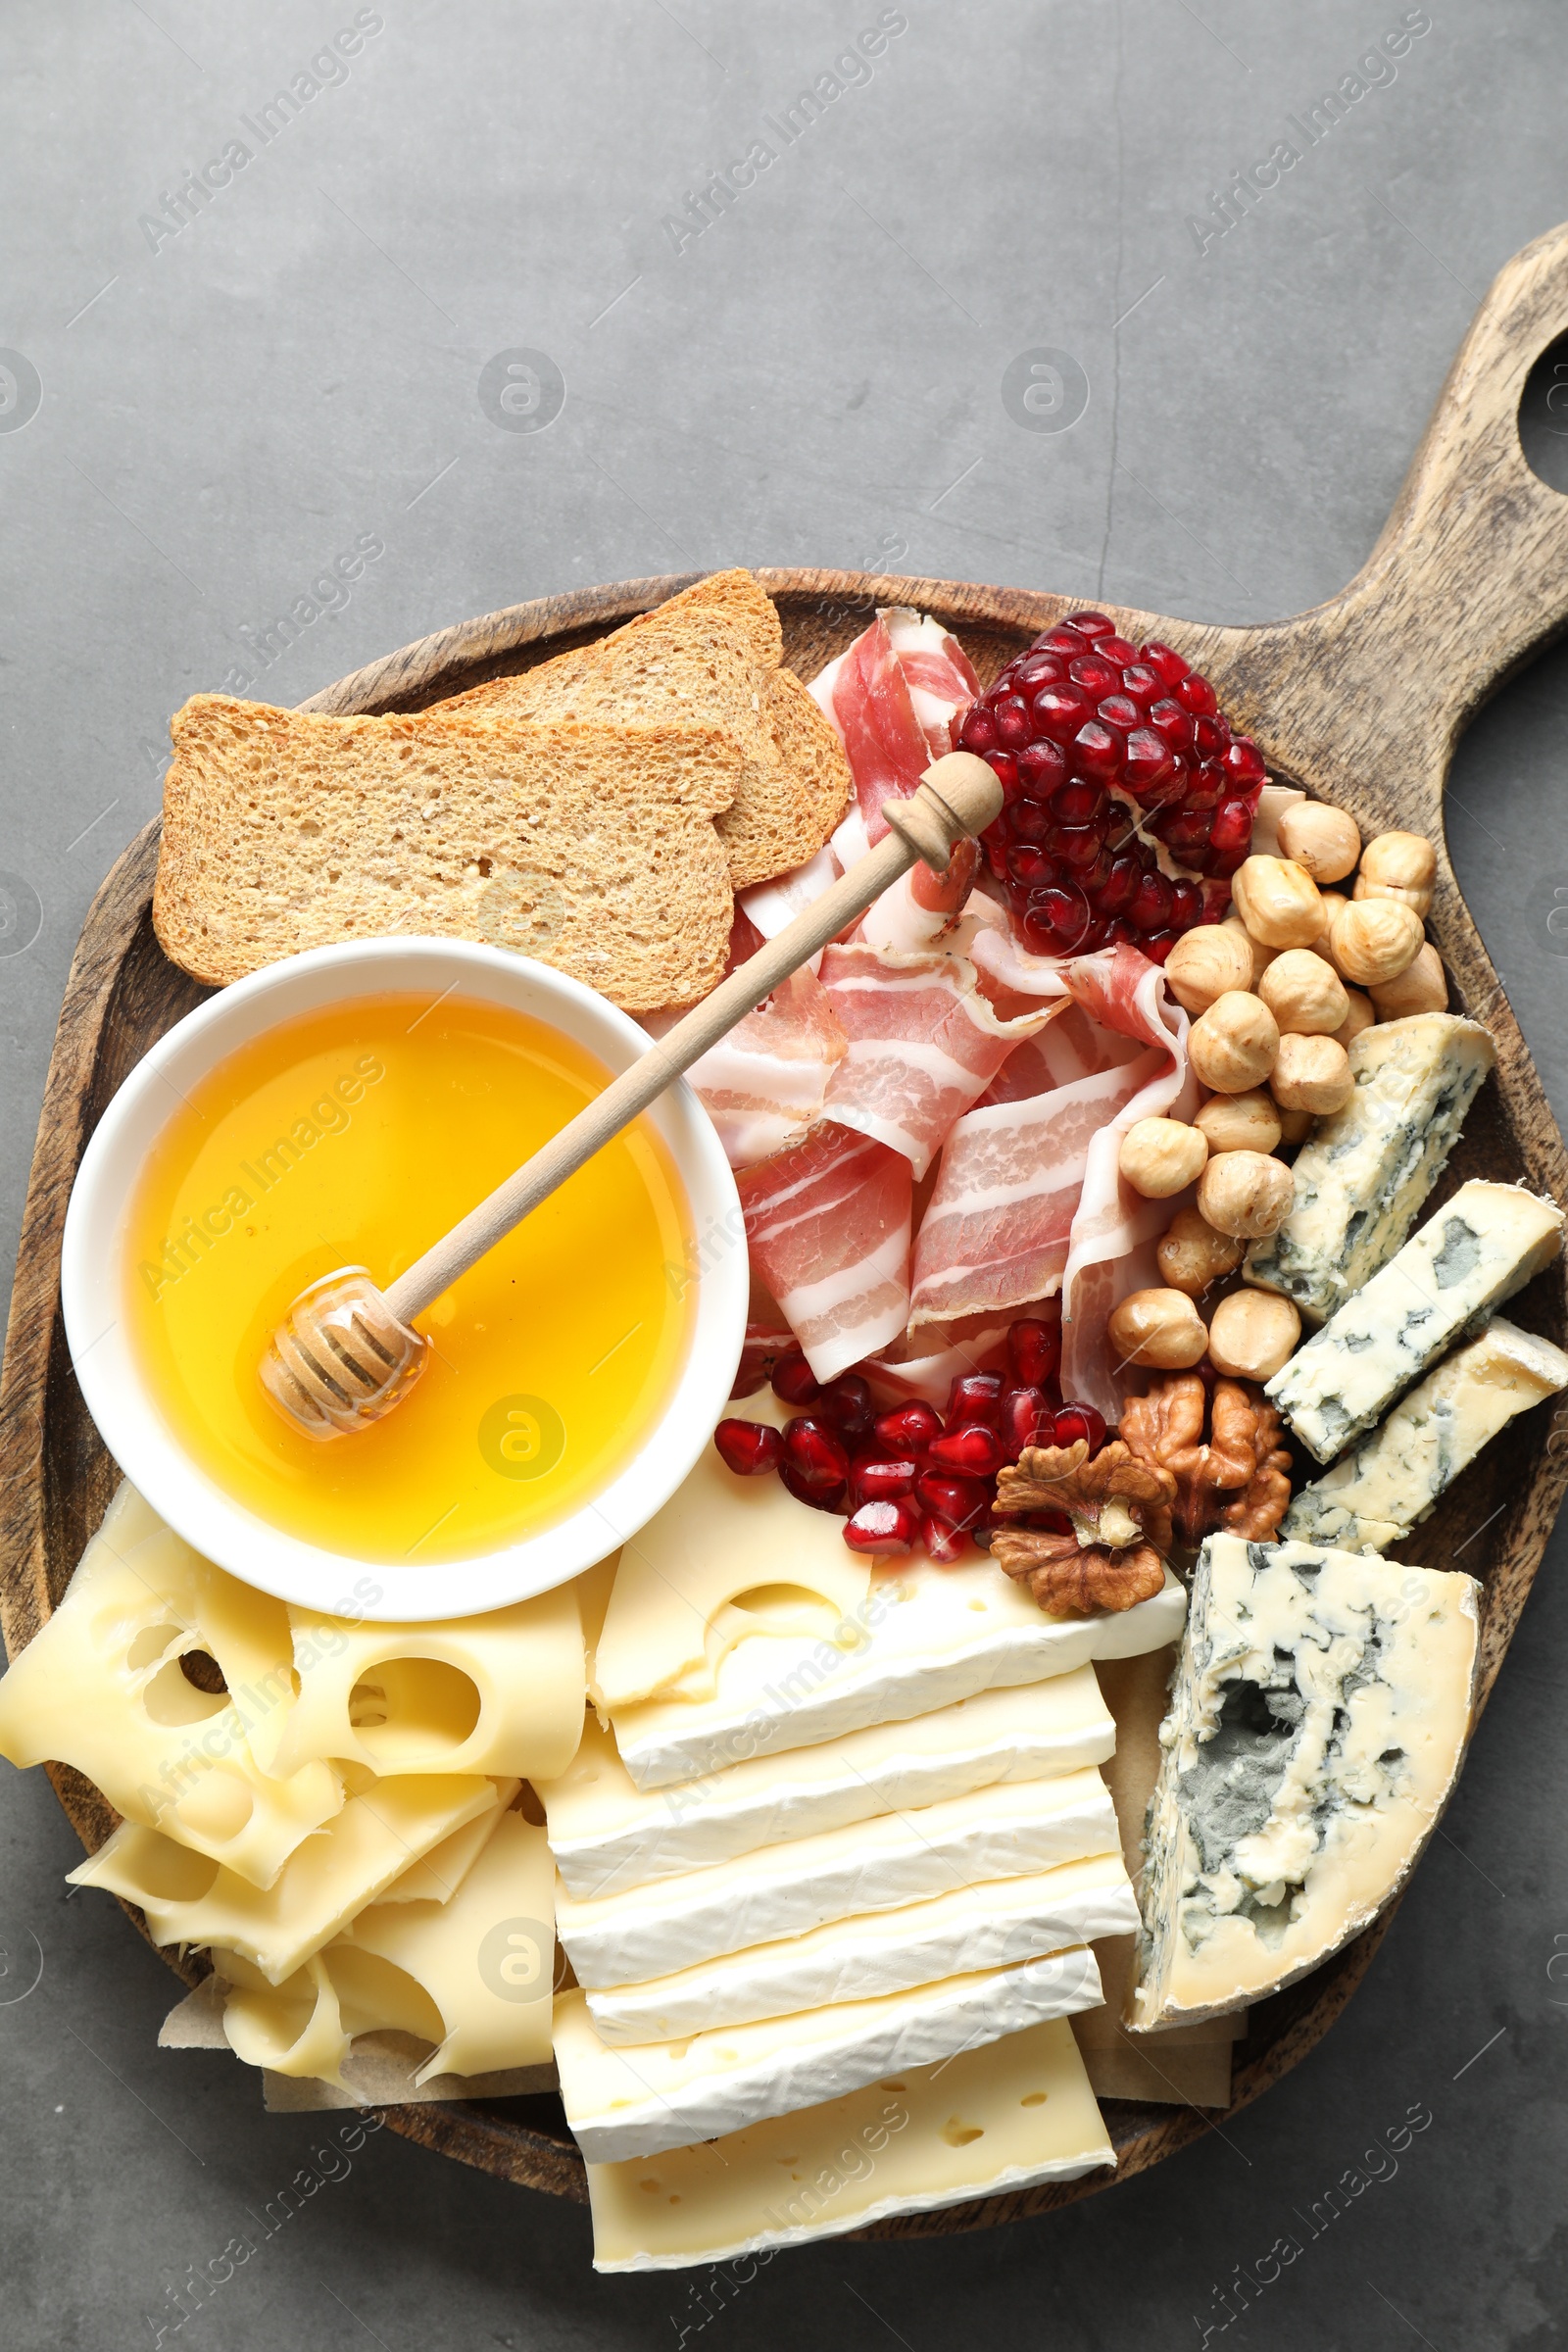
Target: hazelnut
1361,1016
1253,1334
1278,901
1401,866
1234,1043
1246,1194
1294,1125
1375,940
1161,1157
1207,962
1162,1328
1422,987
1313,1073
1261,957
1247,1123
1193,1256
1304,992
1325,841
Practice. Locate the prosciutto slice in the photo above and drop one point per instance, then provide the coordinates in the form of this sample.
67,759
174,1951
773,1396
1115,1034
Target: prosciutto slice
1115,1228
937,671
867,695
764,1084
828,1229
923,1044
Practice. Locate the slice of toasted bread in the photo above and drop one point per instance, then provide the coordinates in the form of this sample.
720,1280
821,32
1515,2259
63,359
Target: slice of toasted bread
709,654
590,846
812,755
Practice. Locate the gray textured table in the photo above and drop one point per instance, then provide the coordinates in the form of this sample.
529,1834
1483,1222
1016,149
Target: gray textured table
460,310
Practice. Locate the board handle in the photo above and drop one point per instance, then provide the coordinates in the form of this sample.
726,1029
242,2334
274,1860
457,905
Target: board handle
1469,577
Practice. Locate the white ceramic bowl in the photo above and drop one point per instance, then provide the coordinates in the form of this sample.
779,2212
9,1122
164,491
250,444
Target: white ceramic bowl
92,1275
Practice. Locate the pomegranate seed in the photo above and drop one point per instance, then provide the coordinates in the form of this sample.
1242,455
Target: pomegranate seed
846,1404
1036,670
1030,821
1115,649
793,1380
1059,711
978,732
1170,721
974,1398
974,1450
1209,737
1157,945
1144,685
1081,845
1117,891
1075,1421
1053,922
944,1544
1243,763
1076,803
820,1498
1151,762
883,1527
961,1501
1150,906
1041,770
1032,867
1119,710
813,1453
1007,770
1224,862
1097,750
1026,1419
1186,906
1014,728
908,1426
1064,640
1232,828
748,1447
1163,657
1034,1348
1197,695
1120,932
1095,674
1096,934
873,1480
1183,829
1092,879
1088,624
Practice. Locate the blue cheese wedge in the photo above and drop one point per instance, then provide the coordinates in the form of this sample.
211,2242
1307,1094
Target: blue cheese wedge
665,2094
1484,1245
1375,1495
1317,1722
1364,1174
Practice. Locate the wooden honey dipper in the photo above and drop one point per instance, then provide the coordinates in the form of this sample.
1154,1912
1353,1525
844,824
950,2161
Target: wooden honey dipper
346,1353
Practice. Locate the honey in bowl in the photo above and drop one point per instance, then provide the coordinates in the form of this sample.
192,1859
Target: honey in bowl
357,1134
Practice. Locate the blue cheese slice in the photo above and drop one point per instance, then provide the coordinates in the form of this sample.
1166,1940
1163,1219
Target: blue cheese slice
608,1834
1375,1495
868,1866
1317,1722
1364,1174
985,2124
1484,1245
665,2094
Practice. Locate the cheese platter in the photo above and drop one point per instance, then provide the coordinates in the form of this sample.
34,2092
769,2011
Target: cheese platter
1400,1461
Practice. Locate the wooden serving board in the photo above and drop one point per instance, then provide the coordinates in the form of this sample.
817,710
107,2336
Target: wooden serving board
1358,700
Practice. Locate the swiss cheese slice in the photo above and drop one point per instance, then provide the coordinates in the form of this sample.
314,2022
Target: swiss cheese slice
984,2124
726,1559
607,1834
103,1686
1317,1721
992,1924
187,1898
663,2094
500,1694
927,1637
866,1866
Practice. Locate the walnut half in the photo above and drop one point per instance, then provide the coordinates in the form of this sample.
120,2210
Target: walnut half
1237,1477
1111,1553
